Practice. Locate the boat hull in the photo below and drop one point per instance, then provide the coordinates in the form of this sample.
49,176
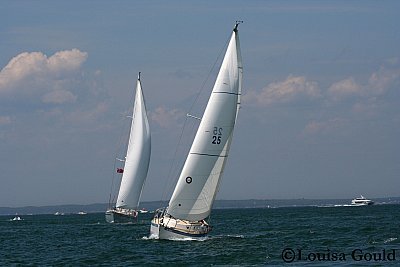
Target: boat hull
171,229
363,204
113,216
362,201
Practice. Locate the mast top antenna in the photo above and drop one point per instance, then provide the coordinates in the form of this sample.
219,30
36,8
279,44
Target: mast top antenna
237,24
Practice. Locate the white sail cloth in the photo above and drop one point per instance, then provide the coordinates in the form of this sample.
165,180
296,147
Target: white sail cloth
137,156
198,183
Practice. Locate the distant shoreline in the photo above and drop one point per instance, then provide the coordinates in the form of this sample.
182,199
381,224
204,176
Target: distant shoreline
219,204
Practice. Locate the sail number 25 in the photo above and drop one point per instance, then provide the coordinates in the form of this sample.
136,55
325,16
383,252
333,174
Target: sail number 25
217,134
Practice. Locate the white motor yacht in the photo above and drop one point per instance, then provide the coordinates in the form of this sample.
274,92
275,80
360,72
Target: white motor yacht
361,201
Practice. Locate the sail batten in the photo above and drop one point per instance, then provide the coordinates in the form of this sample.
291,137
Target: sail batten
229,93
208,155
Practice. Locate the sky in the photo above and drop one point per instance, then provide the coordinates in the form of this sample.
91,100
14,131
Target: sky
320,114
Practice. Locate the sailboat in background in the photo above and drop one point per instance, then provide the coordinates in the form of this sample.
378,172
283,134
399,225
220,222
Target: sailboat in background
136,164
194,194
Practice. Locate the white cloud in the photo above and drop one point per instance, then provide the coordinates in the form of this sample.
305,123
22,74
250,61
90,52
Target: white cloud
33,73
20,67
315,127
367,99
367,95
344,88
380,81
68,60
166,118
58,97
292,89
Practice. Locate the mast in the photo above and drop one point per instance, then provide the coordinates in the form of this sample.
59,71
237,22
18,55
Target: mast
198,183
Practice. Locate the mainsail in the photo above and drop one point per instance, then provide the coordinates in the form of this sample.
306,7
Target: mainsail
137,156
198,182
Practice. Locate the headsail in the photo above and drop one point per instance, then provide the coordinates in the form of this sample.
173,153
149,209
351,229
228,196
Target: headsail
198,183
137,156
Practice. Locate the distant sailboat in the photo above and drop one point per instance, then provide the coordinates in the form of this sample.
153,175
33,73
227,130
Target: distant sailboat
195,192
16,218
136,164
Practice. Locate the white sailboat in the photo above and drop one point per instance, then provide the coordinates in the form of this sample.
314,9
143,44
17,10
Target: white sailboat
195,191
136,164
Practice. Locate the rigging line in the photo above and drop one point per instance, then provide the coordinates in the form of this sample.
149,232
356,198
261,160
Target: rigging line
169,176
176,166
208,155
119,148
167,181
209,74
112,198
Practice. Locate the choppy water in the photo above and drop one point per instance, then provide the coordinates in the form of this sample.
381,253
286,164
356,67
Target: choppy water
304,235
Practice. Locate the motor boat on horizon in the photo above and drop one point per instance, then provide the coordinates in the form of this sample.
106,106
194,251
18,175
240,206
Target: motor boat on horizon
361,201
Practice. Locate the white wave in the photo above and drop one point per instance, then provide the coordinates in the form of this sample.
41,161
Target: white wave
390,240
151,237
201,239
190,239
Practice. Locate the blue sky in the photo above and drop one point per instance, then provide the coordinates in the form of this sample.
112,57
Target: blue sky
320,115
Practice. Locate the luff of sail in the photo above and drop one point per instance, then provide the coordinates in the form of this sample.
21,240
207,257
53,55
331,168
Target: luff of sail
198,183
137,155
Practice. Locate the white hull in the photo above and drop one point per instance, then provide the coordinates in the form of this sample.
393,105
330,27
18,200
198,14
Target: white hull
161,233
169,228
121,216
361,201
362,204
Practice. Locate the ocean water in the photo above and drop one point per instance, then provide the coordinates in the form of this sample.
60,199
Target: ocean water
321,236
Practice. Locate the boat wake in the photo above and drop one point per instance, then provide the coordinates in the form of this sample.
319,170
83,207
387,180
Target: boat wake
151,237
202,239
155,237
347,205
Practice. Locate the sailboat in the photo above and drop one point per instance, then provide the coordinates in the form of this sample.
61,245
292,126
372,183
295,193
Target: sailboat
136,164
195,191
